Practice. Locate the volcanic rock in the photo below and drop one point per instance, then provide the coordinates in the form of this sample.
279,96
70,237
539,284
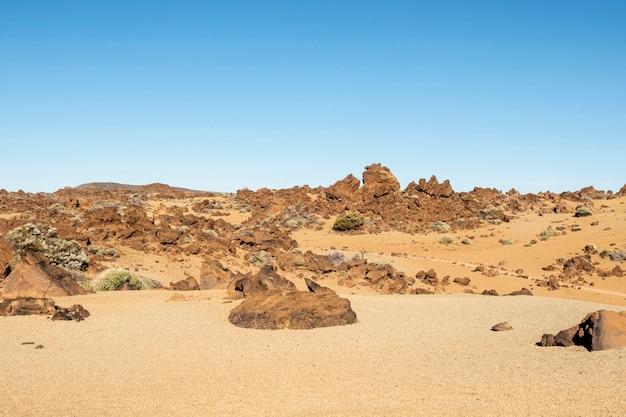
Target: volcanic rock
600,330
378,181
316,288
213,275
462,281
23,306
188,284
275,309
34,276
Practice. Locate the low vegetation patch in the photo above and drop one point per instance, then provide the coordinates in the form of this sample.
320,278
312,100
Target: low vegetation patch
583,211
43,238
350,221
112,279
446,240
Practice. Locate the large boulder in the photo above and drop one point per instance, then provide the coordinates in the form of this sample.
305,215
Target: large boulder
600,330
34,276
275,309
378,181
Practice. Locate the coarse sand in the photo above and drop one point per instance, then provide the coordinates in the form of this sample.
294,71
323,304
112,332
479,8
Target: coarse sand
433,355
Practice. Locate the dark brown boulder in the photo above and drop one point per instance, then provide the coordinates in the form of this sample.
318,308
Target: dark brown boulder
276,309
188,284
34,276
464,281
427,277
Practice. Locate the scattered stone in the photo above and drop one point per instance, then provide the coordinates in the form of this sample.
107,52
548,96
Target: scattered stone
500,327
464,281
523,291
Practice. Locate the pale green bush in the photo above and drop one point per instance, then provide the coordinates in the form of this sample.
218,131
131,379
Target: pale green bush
43,238
112,279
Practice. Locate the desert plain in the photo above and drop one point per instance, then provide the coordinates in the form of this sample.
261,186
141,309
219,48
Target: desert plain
423,260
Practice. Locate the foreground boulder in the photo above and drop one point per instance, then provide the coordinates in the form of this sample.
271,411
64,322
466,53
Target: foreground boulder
24,306
600,330
34,276
277,309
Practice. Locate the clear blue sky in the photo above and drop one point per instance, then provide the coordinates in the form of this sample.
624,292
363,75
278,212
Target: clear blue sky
222,95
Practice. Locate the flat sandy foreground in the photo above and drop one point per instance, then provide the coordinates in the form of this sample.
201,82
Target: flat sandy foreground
139,355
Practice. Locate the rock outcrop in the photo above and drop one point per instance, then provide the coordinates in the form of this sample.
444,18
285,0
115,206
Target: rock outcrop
23,306
34,276
278,309
600,330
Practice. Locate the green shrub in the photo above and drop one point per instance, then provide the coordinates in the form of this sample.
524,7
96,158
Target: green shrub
507,241
583,211
466,241
261,258
548,233
112,279
446,240
42,238
440,226
350,221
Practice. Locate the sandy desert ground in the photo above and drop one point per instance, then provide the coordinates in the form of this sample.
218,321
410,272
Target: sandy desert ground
140,354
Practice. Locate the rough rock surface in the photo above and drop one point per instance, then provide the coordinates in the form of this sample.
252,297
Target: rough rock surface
188,284
600,330
276,309
46,306
34,276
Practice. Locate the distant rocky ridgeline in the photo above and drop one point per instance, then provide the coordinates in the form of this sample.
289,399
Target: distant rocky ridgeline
103,219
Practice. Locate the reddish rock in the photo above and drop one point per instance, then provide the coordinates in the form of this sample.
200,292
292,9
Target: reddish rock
46,306
432,187
462,281
214,276
523,291
34,276
345,189
188,284
378,181
316,288
427,277
275,309
600,330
